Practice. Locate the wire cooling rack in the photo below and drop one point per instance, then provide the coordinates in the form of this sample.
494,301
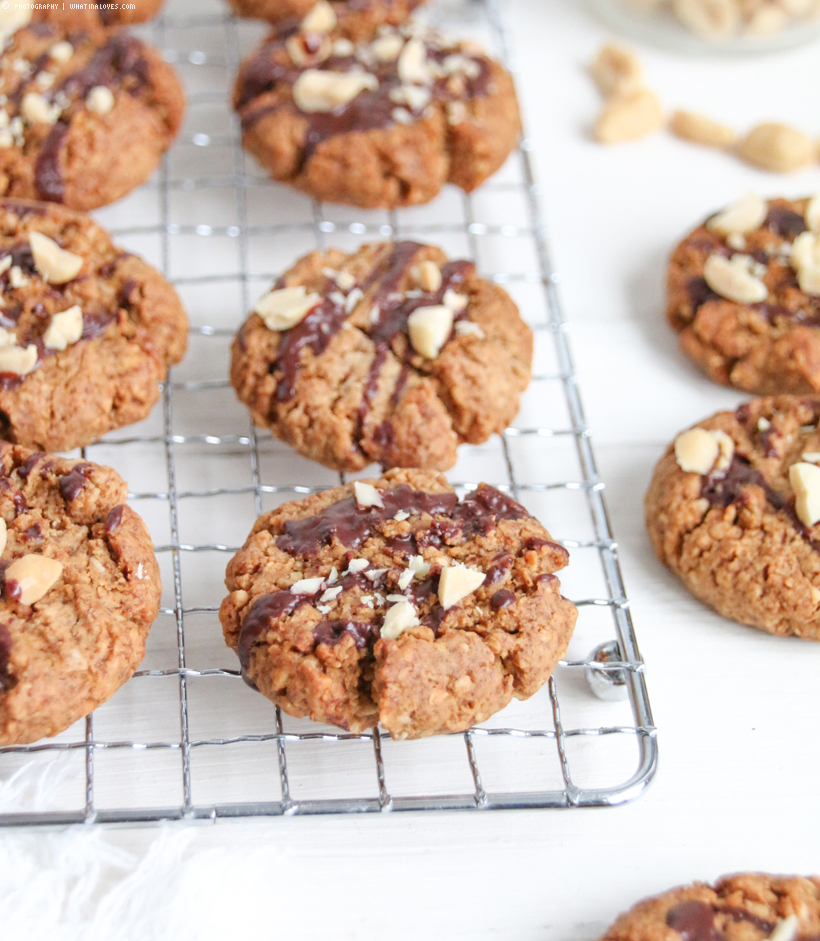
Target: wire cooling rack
185,738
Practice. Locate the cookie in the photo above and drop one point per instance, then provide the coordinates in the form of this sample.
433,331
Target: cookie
391,355
379,124
391,601
85,117
733,510
79,590
744,295
94,15
357,20
87,331
744,907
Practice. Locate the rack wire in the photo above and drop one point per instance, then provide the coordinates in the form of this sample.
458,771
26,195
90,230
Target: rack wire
185,739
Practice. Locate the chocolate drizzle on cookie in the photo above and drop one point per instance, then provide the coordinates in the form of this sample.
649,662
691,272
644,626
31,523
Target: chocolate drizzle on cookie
263,613
331,632
120,61
314,333
7,681
345,522
34,311
114,518
73,483
502,599
725,488
272,68
48,174
393,308
350,525
694,920
785,222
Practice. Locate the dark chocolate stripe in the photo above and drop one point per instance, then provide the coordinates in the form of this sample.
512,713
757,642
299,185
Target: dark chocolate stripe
723,489
7,681
351,526
119,59
694,920
272,67
73,483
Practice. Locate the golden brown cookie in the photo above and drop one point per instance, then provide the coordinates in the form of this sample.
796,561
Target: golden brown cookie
746,907
378,124
733,509
391,601
85,116
87,331
356,19
80,590
391,354
744,295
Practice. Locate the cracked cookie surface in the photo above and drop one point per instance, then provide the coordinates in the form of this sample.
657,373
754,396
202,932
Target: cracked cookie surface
132,327
768,343
743,907
735,532
347,388
71,649
86,115
377,124
337,609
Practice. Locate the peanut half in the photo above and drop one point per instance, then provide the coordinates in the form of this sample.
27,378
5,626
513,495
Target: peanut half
629,117
776,147
699,129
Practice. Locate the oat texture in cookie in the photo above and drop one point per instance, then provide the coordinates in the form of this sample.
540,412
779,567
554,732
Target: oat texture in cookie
744,295
392,354
85,116
79,590
733,509
745,907
393,602
87,331
356,20
375,124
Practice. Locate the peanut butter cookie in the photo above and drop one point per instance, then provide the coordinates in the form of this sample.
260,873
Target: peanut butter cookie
87,331
79,591
744,295
85,116
391,601
391,354
733,509
376,124
746,907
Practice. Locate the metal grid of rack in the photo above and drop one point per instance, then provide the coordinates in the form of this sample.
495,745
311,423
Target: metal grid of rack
185,739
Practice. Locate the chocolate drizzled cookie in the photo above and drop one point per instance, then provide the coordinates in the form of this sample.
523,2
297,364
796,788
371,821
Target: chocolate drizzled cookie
382,123
745,907
84,116
744,295
734,510
87,331
391,354
79,590
392,601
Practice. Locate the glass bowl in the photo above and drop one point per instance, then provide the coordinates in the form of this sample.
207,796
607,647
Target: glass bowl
728,27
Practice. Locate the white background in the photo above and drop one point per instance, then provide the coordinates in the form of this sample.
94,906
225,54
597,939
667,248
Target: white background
738,786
